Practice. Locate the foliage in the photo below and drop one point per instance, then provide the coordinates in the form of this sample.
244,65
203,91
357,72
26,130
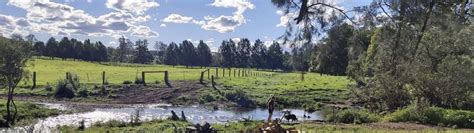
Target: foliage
142,55
64,89
352,116
240,97
426,114
204,54
14,54
27,112
332,55
188,55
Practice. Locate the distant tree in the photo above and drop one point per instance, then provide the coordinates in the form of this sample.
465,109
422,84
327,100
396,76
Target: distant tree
332,56
142,55
51,48
87,53
161,49
39,48
204,54
243,53
101,53
275,56
300,57
258,54
14,55
227,52
112,53
65,48
171,55
31,39
76,49
188,53
124,49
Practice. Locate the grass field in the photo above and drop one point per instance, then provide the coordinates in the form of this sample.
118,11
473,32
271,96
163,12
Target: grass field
290,90
49,71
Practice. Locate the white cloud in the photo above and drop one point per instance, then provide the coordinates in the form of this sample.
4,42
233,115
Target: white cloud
162,25
143,31
241,5
225,23
61,19
11,25
135,6
285,19
176,18
222,23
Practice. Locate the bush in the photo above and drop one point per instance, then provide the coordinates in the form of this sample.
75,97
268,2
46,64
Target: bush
240,97
458,118
353,116
139,81
48,87
126,82
433,116
418,112
209,97
83,92
64,90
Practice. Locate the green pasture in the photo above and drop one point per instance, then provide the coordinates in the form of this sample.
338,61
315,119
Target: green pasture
49,71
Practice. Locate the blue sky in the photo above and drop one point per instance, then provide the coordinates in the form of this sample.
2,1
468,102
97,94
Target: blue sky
155,20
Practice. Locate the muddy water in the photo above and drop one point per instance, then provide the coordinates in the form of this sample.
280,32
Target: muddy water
194,114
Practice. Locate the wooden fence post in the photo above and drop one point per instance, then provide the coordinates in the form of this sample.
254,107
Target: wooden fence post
67,75
208,75
201,80
166,79
143,78
213,83
34,80
230,70
223,72
234,72
103,77
217,72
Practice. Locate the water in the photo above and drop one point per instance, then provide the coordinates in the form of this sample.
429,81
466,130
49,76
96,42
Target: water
194,114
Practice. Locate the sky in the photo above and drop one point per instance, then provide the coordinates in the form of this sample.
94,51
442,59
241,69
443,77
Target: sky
155,20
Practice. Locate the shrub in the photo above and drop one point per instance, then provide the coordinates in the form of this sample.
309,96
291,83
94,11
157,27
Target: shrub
458,118
127,82
209,97
64,90
433,116
353,116
83,92
48,87
139,81
417,112
240,97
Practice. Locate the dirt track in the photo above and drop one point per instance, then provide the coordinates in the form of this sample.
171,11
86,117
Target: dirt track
142,94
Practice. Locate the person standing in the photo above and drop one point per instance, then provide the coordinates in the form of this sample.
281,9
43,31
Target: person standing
271,106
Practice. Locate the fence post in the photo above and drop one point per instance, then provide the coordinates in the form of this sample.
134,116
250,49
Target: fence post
166,79
202,78
213,83
208,71
239,73
67,75
217,72
234,72
223,72
143,78
103,77
34,80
